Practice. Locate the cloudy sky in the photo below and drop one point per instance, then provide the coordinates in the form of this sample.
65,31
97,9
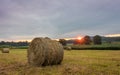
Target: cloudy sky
26,19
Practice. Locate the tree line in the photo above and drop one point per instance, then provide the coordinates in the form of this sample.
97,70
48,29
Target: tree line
8,44
86,40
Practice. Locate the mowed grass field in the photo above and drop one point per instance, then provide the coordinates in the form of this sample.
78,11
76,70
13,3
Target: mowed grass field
75,62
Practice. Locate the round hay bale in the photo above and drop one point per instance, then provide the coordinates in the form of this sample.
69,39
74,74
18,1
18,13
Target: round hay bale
67,48
5,50
44,51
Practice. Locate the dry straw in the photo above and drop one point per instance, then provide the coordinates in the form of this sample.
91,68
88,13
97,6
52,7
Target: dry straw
44,51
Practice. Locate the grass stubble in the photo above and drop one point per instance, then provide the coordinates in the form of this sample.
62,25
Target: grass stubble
75,62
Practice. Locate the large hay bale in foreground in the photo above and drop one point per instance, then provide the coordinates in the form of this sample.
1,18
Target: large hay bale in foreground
44,51
5,50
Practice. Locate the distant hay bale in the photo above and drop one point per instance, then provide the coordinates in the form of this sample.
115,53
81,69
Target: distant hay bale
67,48
44,51
5,50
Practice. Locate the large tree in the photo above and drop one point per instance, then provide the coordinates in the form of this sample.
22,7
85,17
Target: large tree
63,42
86,40
97,40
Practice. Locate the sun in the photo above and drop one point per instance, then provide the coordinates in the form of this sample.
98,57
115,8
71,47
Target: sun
79,38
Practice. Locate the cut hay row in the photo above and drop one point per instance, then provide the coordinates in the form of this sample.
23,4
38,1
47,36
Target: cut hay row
44,51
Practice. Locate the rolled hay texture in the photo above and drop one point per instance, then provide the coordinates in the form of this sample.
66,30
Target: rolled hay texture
44,51
5,50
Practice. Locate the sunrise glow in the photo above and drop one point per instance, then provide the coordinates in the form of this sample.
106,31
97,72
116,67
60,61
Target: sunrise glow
79,38
113,35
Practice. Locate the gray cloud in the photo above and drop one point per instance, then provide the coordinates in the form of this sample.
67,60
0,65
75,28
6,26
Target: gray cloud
25,19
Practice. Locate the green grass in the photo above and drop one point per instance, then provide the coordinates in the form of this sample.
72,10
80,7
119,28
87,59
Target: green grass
75,62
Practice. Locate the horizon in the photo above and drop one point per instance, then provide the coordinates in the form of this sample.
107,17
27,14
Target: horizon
66,38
